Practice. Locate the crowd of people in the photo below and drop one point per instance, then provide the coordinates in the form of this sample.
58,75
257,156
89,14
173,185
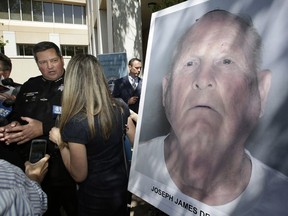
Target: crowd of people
84,171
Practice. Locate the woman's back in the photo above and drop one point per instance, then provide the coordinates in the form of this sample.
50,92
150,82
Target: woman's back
104,191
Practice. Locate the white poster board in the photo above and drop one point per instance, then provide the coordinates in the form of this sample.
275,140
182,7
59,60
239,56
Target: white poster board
269,142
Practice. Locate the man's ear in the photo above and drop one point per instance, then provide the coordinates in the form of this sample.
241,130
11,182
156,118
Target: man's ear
62,60
165,81
264,83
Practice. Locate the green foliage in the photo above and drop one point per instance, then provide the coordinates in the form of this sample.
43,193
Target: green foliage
166,3
2,41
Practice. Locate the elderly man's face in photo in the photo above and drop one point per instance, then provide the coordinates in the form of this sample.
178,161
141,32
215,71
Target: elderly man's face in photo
212,93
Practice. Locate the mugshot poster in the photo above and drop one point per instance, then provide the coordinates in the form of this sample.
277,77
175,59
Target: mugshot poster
254,180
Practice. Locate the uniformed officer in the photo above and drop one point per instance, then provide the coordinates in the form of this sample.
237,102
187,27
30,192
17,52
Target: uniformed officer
37,105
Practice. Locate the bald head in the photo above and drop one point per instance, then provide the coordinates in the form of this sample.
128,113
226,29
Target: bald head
227,23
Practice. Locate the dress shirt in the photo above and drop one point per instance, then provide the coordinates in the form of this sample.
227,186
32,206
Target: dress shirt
18,194
133,81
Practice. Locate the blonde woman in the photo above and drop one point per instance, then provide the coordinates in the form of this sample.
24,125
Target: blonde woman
90,138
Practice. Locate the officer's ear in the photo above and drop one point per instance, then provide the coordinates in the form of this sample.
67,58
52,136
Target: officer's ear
264,83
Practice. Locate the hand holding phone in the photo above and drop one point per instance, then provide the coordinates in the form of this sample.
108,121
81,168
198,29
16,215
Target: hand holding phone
37,171
37,150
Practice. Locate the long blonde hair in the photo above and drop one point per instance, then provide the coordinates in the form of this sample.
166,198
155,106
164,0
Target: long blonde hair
86,91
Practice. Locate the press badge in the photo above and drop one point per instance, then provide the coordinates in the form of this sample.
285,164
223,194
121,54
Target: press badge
57,110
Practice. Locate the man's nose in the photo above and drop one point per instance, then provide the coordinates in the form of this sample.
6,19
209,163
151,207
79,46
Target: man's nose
49,64
204,79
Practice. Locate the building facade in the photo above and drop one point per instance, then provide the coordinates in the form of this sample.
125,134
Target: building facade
76,26
27,22
115,26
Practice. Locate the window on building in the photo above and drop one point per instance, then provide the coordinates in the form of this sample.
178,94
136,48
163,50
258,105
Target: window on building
68,14
58,13
66,50
78,13
70,50
48,12
26,10
37,11
14,9
25,49
4,9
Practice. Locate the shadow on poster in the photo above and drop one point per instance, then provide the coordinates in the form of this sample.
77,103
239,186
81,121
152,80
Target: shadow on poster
114,65
211,136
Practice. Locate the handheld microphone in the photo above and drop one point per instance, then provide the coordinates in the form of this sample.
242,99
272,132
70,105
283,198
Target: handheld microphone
9,82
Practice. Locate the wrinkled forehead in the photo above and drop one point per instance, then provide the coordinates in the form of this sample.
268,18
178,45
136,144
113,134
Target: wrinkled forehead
215,25
215,29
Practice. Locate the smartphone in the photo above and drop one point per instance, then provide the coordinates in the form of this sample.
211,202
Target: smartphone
37,150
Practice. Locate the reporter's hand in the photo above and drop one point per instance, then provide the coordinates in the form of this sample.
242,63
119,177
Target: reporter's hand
4,129
132,100
55,136
23,133
133,115
4,96
37,171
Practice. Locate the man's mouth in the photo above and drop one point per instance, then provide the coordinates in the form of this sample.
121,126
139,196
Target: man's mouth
203,106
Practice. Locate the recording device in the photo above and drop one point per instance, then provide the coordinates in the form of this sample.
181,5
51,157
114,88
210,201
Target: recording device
37,150
3,89
5,110
9,82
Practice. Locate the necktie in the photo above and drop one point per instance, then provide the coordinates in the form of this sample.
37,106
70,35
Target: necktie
134,84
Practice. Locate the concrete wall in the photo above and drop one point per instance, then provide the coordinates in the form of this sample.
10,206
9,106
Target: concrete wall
127,25
115,26
20,32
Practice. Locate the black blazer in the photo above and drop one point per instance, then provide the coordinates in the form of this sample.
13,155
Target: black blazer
123,89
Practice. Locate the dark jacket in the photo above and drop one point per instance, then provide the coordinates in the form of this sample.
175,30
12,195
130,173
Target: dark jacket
123,89
38,98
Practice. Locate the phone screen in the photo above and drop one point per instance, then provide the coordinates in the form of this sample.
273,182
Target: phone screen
37,150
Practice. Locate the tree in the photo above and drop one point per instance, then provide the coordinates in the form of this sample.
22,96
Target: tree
166,3
2,41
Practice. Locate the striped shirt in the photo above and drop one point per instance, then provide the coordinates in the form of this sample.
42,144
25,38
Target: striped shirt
18,194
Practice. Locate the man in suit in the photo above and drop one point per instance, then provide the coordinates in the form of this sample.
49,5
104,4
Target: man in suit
129,87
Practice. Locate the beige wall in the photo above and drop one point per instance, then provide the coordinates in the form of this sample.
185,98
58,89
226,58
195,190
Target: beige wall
127,28
33,32
116,27
24,67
